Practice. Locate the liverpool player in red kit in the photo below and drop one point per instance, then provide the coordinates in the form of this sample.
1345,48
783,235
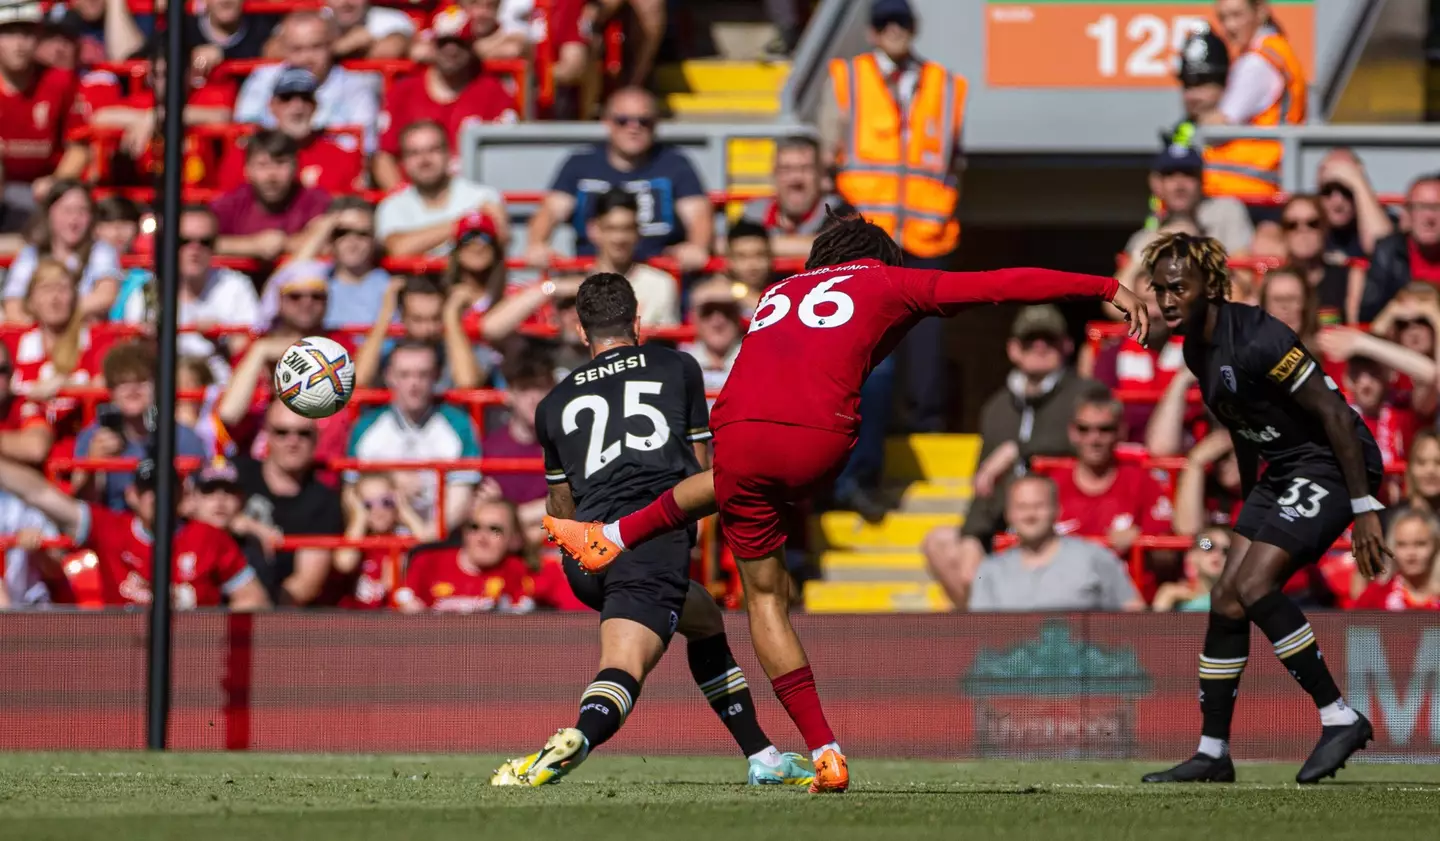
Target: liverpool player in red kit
787,418
208,568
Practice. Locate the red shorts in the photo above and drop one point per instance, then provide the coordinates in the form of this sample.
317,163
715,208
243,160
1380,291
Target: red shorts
762,470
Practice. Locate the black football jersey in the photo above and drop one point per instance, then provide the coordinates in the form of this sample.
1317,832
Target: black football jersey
1248,374
620,429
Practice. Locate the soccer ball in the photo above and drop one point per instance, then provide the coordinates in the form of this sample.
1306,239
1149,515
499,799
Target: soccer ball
315,377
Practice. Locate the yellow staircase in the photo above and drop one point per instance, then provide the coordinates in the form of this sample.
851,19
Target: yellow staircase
702,89
877,567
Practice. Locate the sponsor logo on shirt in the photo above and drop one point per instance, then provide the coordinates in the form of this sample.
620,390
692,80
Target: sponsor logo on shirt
1264,436
1287,365
1228,375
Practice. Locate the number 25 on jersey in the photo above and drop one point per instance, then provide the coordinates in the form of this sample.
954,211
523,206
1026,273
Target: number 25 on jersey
598,454
774,306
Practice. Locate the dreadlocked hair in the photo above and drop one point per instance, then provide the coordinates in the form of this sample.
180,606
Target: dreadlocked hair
1205,254
844,238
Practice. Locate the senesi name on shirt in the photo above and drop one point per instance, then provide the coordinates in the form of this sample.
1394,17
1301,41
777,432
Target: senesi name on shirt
590,375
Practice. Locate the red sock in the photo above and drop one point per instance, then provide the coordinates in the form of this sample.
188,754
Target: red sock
796,691
658,517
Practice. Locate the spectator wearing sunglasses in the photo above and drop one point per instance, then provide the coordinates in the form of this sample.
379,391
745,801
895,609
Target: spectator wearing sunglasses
675,216
283,496
1304,230
485,573
1355,219
1204,562
1410,255
363,579
345,237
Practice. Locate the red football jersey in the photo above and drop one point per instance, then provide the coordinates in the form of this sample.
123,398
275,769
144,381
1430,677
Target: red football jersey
208,565
408,101
437,580
368,588
32,364
36,123
816,336
1135,499
1390,595
1392,427
17,413
321,163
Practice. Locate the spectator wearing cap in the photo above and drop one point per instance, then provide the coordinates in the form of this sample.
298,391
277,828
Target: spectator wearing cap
428,315
1045,571
1356,220
345,236
35,151
213,496
420,218
209,295
266,216
1412,255
794,215
124,427
333,163
452,90
492,34
715,312
676,218
528,378
369,31
89,21
284,496
1175,181
614,228
415,427
344,98
208,569
893,128
1029,417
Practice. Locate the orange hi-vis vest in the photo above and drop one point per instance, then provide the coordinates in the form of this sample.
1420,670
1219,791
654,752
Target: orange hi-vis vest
1252,167
896,169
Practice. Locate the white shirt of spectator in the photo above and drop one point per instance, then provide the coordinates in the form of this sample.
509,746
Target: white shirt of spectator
1253,86
519,16
22,580
381,22
228,299
658,295
104,262
714,375
908,82
345,98
406,211
390,437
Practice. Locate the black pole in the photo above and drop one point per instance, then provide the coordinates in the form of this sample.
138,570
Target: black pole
168,256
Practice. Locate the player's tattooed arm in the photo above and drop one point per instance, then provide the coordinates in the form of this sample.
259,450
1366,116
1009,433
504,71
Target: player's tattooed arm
560,502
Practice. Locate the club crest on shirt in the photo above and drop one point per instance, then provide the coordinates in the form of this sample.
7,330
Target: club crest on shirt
1228,375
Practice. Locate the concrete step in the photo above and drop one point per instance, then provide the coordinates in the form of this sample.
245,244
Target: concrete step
692,106
718,76
847,597
931,457
942,496
874,567
898,531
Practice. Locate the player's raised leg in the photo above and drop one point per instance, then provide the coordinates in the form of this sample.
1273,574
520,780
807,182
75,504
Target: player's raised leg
713,666
597,545
1343,731
628,651
1222,661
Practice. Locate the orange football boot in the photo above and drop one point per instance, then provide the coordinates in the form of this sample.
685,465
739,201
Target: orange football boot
832,775
585,542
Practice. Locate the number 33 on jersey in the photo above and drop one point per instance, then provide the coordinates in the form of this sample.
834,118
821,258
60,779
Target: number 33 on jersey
621,429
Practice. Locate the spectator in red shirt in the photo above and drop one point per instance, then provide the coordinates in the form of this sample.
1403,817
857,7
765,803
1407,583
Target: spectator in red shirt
42,109
58,351
363,579
451,91
25,435
65,231
565,27
1415,583
489,39
208,568
1102,496
335,165
267,216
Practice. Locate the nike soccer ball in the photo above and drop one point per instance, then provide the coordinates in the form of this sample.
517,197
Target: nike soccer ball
315,377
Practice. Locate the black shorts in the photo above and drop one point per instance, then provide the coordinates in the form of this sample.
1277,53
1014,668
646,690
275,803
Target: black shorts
647,584
1303,509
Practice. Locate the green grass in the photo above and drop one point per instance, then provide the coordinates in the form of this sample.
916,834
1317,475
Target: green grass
116,797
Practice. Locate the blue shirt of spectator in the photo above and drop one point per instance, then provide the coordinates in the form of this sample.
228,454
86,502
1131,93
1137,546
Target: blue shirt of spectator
187,444
356,304
658,184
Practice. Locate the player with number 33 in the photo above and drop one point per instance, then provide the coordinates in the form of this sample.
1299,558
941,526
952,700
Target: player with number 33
787,418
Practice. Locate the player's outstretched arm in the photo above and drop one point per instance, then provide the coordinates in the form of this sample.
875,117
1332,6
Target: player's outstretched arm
953,290
1315,397
32,488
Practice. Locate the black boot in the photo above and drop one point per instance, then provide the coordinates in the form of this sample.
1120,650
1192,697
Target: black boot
1337,744
1200,768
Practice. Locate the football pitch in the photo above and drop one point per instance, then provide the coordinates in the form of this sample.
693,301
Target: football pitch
117,797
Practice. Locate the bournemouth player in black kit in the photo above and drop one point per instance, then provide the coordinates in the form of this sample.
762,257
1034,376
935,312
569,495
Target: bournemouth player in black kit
616,434
1322,471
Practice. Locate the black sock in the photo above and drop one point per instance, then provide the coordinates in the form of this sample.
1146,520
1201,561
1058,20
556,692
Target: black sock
1222,661
605,704
1282,621
713,667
